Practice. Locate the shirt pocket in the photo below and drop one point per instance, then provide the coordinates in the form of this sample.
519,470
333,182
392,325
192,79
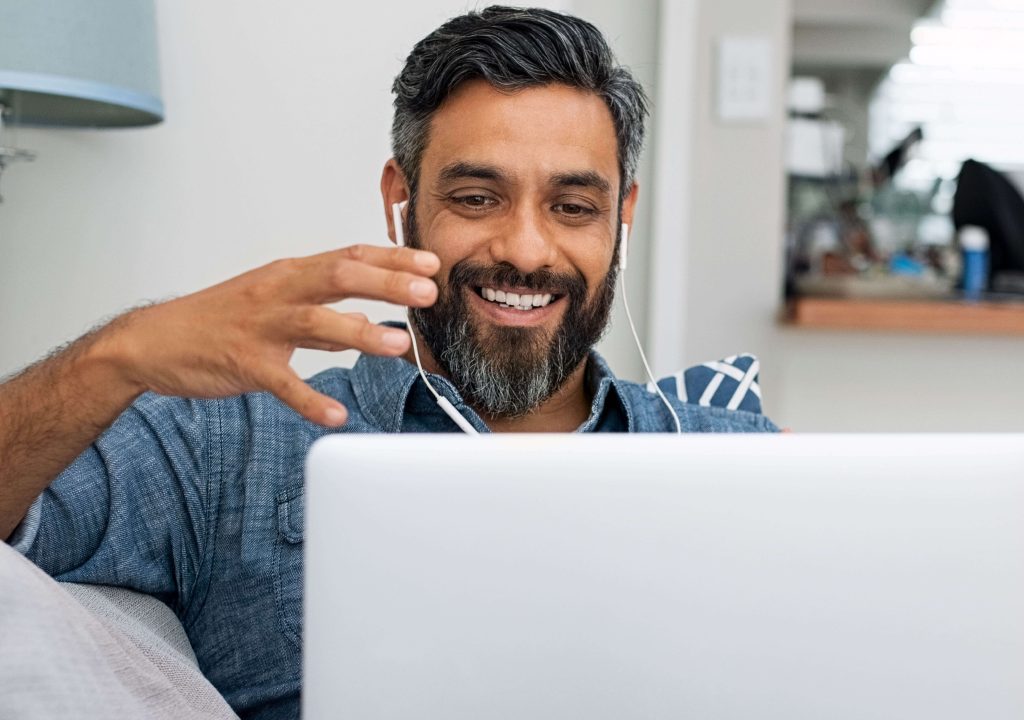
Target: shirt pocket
288,562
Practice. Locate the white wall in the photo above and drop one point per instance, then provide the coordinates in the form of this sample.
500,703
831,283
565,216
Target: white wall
734,264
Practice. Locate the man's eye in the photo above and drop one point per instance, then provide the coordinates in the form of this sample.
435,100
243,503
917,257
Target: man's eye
573,210
474,201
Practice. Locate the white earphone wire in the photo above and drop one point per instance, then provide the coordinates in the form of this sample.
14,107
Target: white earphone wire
623,250
442,401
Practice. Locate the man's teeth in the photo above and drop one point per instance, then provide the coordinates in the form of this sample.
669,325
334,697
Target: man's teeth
515,300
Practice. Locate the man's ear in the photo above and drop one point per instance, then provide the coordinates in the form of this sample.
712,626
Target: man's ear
629,204
393,189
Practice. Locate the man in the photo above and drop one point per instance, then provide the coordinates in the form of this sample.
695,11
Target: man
516,139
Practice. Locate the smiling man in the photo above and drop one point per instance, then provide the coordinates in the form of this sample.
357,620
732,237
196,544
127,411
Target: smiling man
164,452
519,195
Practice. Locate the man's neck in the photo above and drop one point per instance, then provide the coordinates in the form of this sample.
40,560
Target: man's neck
564,411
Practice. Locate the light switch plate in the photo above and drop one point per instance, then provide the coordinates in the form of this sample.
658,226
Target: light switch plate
745,78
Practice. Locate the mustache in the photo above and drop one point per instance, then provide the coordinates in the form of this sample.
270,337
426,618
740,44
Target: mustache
467,274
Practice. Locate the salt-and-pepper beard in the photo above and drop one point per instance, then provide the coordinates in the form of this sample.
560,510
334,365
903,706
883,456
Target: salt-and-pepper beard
507,372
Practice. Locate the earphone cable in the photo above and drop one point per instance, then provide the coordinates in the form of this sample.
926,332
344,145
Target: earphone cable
643,357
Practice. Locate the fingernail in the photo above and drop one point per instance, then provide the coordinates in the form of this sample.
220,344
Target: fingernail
334,416
422,289
394,340
426,260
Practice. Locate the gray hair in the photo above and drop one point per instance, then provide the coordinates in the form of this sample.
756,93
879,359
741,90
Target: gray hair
487,382
513,48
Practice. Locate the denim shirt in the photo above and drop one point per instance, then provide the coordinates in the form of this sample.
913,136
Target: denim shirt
200,503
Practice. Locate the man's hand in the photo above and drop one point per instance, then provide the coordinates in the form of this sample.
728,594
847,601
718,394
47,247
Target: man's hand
240,335
231,338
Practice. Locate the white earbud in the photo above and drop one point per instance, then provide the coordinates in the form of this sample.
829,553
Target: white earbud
396,217
623,252
624,248
442,401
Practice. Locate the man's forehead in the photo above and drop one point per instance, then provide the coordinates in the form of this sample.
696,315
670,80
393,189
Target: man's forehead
542,131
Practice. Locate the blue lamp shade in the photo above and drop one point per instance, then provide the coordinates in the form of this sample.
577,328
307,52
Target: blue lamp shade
80,63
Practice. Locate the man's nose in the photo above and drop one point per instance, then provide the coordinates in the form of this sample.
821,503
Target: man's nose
525,243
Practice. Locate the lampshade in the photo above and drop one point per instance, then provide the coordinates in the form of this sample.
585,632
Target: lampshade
79,63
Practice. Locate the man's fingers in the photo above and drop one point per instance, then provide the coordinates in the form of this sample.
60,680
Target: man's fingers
397,275
345,278
406,260
418,262
322,328
300,397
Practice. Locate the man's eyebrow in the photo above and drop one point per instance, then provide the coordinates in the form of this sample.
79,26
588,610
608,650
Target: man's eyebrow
463,170
582,178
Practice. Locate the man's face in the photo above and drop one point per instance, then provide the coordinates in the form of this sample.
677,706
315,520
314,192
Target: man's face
518,196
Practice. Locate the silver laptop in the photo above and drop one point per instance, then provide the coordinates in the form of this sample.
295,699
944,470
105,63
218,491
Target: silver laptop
600,577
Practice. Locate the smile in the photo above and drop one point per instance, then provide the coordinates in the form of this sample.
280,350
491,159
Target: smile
516,301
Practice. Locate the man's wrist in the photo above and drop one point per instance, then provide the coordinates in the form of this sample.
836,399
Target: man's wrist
108,363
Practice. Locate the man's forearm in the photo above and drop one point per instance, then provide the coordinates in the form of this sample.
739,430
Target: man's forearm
52,411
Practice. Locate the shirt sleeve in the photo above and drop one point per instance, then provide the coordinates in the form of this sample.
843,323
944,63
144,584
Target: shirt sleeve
134,510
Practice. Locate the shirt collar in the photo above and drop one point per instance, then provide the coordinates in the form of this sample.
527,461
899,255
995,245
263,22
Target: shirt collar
382,386
607,391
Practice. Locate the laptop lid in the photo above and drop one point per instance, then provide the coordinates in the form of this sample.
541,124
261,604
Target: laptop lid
594,576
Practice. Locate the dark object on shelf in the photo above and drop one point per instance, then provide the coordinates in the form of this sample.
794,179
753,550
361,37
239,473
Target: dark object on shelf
897,158
984,197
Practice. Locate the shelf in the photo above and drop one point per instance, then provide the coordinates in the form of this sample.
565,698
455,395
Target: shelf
928,316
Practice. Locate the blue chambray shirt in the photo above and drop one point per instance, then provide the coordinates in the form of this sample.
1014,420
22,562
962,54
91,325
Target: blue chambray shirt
200,503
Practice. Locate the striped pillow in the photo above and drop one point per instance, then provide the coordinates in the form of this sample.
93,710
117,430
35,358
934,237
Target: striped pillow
730,383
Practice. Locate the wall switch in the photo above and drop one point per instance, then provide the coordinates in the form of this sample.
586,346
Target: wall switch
745,78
